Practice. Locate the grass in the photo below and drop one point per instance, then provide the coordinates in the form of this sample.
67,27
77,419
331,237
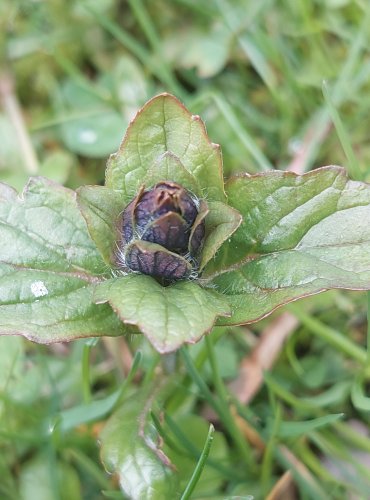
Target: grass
280,85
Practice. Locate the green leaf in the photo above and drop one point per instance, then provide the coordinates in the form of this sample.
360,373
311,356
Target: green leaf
221,222
12,163
300,235
57,166
130,84
162,125
52,307
97,409
43,229
11,360
48,267
295,429
130,448
84,413
93,137
360,400
94,128
41,479
169,167
169,316
335,395
101,208
206,50
18,381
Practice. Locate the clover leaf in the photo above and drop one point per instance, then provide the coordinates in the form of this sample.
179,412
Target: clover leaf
69,261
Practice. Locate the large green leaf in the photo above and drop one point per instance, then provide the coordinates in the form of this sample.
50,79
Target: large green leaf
130,448
300,235
51,307
162,125
43,229
168,316
94,127
48,267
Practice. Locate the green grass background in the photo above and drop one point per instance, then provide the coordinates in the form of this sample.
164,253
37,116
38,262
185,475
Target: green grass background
280,84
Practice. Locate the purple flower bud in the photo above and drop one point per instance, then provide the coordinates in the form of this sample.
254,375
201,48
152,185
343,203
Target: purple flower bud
167,218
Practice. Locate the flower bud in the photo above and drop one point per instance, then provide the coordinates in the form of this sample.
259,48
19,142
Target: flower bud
162,232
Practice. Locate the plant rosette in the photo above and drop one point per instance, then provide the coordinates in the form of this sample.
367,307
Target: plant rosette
167,249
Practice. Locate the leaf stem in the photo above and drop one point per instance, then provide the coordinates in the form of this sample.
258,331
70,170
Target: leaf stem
200,465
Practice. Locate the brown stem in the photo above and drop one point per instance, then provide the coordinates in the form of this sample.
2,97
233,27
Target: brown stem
262,357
